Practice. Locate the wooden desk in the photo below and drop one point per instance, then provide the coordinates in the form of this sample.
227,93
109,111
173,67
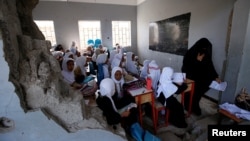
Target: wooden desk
190,83
142,95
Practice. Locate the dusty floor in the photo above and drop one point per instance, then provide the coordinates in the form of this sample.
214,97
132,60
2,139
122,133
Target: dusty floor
197,125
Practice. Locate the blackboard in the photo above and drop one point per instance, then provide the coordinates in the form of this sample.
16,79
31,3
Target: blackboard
170,35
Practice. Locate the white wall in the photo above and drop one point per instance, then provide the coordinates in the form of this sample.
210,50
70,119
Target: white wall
66,15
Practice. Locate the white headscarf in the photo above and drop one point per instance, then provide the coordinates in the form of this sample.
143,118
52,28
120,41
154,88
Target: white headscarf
96,53
107,88
117,60
67,54
101,59
144,69
57,54
73,47
166,85
119,49
130,64
112,55
68,76
118,83
81,61
154,73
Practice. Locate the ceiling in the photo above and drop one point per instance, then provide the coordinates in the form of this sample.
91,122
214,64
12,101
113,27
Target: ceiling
118,2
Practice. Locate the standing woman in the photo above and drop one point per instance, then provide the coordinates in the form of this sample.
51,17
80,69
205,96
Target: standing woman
198,66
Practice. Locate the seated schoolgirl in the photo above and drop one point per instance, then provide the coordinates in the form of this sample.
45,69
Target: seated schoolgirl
59,56
117,77
131,64
111,57
119,61
154,73
80,76
68,66
103,70
94,57
166,89
144,69
108,102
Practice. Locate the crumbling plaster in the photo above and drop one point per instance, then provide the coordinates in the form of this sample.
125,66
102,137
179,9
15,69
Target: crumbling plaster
35,73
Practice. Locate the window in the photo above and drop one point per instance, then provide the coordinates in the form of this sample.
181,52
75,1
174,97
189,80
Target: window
121,32
89,30
47,28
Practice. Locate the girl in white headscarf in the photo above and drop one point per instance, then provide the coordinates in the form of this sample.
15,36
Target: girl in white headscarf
107,102
102,67
102,59
154,73
118,61
96,53
59,56
112,55
144,69
67,72
131,64
165,92
117,77
81,62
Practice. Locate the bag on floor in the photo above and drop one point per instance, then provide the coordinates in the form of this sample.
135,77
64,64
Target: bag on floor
150,137
242,100
137,132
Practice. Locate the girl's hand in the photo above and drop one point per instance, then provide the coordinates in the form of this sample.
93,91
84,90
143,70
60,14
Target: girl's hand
218,80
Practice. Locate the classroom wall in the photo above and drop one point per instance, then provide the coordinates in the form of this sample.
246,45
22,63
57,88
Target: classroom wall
237,67
66,15
208,19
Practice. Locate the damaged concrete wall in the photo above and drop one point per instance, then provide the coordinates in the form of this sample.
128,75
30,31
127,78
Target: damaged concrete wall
35,73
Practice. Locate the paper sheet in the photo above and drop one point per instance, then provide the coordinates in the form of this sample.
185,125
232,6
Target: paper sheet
218,86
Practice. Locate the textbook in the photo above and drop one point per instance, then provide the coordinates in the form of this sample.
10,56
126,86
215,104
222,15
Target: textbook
218,86
129,106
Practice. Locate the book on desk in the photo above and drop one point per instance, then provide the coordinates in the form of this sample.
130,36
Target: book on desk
138,91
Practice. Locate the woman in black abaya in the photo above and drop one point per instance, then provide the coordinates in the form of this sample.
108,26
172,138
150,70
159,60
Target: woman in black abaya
198,66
